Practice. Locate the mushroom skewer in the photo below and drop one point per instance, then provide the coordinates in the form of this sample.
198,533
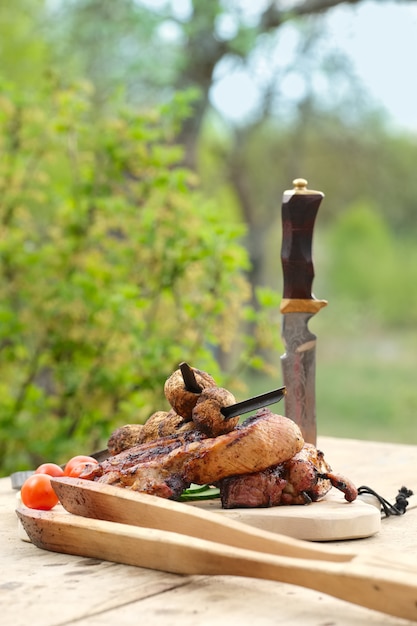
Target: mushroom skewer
197,402
184,387
239,408
213,409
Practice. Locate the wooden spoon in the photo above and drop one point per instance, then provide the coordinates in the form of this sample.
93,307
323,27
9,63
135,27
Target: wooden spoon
374,582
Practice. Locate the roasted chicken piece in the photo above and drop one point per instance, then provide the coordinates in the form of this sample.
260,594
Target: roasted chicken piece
167,466
181,399
207,415
303,479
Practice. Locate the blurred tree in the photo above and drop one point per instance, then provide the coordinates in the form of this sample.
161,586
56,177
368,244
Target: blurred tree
325,132
115,45
169,45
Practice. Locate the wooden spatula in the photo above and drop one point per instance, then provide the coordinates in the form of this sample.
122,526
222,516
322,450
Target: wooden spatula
370,581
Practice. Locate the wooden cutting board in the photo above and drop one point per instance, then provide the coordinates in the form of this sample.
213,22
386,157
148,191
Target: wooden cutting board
330,519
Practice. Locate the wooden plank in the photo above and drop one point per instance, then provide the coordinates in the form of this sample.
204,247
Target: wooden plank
376,581
241,602
43,588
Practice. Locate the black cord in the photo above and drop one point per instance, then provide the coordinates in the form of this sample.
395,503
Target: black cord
387,508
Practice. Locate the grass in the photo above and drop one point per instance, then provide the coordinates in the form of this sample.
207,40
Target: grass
366,385
366,388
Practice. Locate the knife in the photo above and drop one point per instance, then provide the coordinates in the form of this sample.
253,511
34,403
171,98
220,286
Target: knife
299,210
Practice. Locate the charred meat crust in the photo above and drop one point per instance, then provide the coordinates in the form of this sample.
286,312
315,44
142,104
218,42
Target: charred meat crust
125,437
167,465
345,485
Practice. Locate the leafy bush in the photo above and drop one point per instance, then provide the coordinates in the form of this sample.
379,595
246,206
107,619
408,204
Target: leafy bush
113,270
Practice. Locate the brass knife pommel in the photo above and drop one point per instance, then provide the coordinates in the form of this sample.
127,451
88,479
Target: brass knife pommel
300,187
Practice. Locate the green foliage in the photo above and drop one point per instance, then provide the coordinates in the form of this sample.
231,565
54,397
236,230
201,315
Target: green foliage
361,253
372,272
24,52
113,270
113,267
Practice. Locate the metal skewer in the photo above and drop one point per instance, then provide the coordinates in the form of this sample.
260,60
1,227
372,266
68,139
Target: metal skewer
190,381
253,404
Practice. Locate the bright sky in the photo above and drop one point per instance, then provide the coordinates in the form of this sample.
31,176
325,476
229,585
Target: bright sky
381,41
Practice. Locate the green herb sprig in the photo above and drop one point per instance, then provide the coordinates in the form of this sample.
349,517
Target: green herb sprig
199,492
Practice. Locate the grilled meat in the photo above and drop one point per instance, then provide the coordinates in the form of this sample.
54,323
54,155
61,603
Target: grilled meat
303,479
257,490
166,466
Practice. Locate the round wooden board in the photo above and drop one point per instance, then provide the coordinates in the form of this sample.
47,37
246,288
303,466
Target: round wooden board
330,519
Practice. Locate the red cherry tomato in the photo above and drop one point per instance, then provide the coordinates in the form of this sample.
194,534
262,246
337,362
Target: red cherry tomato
51,469
37,492
76,460
78,469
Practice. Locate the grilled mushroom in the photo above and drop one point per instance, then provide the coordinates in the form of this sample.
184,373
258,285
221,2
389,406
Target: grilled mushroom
125,437
207,415
180,398
159,424
164,423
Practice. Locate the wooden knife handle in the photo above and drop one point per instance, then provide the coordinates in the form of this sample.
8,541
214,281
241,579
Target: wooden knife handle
299,210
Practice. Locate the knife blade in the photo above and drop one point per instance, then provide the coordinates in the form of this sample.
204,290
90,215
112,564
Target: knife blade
299,210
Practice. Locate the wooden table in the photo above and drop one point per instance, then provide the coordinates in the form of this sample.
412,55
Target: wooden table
40,588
